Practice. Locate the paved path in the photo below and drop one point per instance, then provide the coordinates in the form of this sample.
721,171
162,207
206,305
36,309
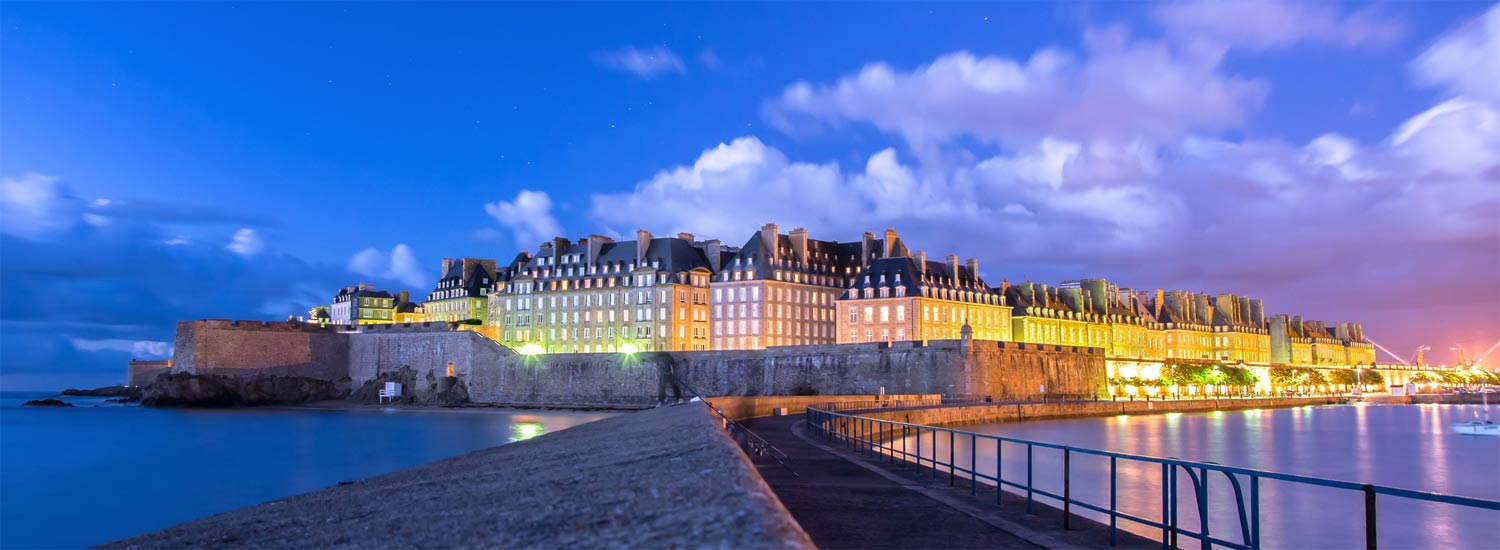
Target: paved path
842,501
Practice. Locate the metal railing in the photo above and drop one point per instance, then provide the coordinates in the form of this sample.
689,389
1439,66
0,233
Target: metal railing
878,437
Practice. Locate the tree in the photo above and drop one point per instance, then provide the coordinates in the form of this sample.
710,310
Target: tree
1372,377
1344,377
1425,377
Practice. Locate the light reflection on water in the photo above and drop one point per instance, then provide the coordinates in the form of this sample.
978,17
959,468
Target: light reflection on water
1401,446
87,475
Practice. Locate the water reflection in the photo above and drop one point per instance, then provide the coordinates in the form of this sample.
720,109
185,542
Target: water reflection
1401,446
521,431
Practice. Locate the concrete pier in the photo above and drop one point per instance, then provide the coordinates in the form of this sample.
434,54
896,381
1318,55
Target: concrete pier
663,478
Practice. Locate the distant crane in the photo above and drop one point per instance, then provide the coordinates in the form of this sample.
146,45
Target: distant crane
1421,358
1462,363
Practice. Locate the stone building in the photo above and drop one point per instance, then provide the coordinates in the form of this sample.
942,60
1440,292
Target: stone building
904,297
1240,333
408,311
462,293
362,304
597,295
780,289
1041,314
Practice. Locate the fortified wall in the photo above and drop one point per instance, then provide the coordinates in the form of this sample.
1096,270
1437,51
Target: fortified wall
495,374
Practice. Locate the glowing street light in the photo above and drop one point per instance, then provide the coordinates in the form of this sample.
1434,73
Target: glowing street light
628,349
531,349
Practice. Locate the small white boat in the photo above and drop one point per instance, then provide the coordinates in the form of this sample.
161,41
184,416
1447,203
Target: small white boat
1480,427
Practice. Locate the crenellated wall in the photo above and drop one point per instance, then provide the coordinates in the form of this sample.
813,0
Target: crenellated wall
495,374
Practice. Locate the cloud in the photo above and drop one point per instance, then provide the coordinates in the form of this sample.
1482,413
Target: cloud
245,242
139,349
528,216
35,205
648,63
1259,25
400,265
1118,90
1466,60
77,295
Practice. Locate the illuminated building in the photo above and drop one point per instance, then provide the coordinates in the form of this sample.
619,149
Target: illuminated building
362,304
598,295
910,298
1043,314
462,292
780,290
1239,330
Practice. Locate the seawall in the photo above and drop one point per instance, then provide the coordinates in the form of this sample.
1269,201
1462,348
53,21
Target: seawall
438,357
663,478
1020,412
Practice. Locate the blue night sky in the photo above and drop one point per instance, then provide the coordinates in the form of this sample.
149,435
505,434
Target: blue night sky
166,161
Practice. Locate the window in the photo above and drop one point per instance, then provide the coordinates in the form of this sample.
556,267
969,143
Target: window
900,313
869,315
853,316
885,314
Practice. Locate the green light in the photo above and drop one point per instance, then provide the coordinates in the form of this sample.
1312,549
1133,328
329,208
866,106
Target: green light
628,349
531,349
525,430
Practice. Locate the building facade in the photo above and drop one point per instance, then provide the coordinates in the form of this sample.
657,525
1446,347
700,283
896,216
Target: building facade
597,295
362,304
462,293
781,289
911,298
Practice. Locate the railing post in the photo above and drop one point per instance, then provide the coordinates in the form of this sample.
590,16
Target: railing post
1370,517
999,477
1028,479
973,464
1067,489
1113,517
950,458
1254,541
1166,531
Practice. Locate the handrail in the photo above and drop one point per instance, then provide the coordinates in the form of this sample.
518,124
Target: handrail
875,436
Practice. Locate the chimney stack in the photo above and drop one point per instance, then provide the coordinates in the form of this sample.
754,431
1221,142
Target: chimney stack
953,266
770,242
642,242
866,248
685,236
447,263
560,246
711,250
889,248
921,259
798,237
973,266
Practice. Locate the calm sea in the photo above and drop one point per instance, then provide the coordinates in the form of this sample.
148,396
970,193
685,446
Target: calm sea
1406,446
72,477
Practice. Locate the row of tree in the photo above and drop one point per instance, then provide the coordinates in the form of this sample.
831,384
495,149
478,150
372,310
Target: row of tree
1188,374
1458,378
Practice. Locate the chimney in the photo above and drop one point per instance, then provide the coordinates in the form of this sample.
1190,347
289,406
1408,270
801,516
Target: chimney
403,297
952,266
866,248
596,245
921,259
685,236
769,241
1004,286
447,263
560,246
642,242
798,237
711,250
889,245
973,266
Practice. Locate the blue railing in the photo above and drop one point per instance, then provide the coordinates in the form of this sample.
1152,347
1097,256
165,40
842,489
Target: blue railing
878,437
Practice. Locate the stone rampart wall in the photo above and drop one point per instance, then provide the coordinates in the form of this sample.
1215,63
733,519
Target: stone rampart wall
990,414
142,373
740,408
254,348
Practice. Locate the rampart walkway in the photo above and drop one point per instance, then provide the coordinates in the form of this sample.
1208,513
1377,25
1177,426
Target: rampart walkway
844,501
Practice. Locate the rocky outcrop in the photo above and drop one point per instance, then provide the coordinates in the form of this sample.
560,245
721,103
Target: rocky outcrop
428,390
49,402
107,391
207,390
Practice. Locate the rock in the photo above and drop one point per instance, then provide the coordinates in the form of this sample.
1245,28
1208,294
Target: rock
107,391
447,391
49,402
210,390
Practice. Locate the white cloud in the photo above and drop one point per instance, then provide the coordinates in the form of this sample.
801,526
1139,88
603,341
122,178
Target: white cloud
528,216
647,63
1119,91
139,349
1466,60
245,242
35,205
1258,25
401,265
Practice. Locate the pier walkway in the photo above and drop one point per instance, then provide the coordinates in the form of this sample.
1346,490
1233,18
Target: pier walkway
843,500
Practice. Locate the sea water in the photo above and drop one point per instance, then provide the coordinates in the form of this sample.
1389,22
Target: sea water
97,472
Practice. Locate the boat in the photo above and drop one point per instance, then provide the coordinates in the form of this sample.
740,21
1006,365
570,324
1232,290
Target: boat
1479,427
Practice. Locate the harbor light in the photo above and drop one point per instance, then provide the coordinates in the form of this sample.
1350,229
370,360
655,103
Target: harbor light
531,349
